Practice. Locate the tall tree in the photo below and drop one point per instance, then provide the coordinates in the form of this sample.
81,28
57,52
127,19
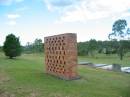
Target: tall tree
38,45
120,32
12,46
83,48
92,46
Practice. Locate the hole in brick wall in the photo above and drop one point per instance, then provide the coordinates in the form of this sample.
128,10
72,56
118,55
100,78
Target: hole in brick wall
58,48
55,48
64,52
60,52
59,57
49,48
63,57
62,48
55,57
56,52
60,62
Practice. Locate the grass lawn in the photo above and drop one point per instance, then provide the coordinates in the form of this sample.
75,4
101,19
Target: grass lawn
25,77
107,59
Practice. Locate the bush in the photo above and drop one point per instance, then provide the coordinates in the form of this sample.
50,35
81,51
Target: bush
12,46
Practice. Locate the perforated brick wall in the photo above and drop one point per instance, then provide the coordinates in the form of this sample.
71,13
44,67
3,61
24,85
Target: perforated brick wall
61,55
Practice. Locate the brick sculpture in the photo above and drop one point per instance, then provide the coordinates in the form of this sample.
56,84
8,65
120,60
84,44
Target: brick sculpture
61,55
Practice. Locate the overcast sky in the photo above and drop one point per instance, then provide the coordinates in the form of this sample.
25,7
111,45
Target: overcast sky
31,19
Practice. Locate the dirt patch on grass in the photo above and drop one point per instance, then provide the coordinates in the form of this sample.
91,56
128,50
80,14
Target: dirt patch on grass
33,94
3,77
27,92
5,94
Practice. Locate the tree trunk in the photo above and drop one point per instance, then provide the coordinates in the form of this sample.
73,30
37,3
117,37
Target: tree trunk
121,56
10,57
121,53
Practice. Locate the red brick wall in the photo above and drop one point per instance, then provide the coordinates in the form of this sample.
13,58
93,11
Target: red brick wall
61,55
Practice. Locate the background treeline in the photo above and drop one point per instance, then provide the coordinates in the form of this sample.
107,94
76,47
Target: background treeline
36,47
87,48
90,48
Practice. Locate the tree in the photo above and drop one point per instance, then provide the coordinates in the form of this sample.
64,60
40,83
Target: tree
83,48
28,48
0,48
92,46
12,46
38,45
120,31
110,47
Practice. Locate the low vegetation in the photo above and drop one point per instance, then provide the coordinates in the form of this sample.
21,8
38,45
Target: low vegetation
26,77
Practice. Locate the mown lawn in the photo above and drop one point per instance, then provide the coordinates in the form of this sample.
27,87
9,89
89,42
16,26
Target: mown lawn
107,59
25,77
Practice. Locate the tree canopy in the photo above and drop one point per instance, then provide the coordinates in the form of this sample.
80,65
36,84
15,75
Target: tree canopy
120,32
12,46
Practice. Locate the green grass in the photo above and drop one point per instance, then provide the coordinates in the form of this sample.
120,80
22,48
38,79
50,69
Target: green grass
107,59
25,77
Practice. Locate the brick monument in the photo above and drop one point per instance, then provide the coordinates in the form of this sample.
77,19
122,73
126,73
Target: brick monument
61,55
